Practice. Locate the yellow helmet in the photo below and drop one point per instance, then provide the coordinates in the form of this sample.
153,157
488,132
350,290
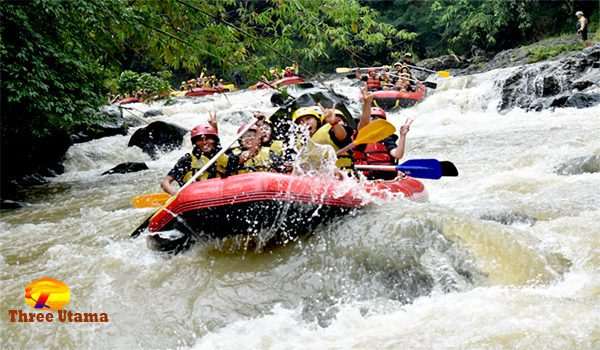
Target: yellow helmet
340,113
308,111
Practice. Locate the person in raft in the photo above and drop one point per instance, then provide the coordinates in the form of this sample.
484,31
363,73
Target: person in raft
252,155
386,152
205,142
373,79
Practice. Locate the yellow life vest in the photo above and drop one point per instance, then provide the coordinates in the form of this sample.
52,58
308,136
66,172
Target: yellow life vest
322,137
277,147
198,163
260,162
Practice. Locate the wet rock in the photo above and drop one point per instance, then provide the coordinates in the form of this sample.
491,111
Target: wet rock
559,101
110,123
152,113
8,204
128,167
158,136
553,84
509,218
581,84
580,165
443,62
582,100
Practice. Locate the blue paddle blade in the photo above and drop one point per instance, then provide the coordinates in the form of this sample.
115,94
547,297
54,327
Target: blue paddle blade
421,168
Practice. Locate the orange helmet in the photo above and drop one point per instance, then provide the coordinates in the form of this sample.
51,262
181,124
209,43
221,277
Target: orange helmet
204,129
378,112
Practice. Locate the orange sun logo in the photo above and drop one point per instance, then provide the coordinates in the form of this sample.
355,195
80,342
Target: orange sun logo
47,294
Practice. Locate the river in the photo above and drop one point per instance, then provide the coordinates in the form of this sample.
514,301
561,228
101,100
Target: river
504,256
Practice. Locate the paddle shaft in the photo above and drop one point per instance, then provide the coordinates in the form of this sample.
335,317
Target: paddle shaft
420,68
376,167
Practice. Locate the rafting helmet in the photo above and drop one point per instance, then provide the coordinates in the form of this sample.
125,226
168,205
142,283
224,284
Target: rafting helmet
378,112
397,64
578,13
313,111
408,55
204,129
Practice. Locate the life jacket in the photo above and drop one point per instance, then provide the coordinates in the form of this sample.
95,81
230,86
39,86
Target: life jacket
323,137
216,170
374,154
277,147
373,84
262,161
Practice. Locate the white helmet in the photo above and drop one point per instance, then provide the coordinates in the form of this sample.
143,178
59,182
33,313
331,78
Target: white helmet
578,13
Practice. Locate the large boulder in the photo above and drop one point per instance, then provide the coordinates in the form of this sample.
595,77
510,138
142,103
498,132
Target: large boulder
157,137
110,123
443,63
582,100
580,165
152,113
128,167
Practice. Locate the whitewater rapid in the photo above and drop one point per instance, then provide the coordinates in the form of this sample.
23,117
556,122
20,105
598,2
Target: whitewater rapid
504,256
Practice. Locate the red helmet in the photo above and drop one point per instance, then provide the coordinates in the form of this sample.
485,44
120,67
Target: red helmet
253,128
204,129
378,112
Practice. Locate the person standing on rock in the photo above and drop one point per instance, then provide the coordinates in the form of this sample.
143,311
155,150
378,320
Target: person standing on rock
582,26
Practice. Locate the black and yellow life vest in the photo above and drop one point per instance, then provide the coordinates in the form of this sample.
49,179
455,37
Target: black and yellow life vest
262,161
216,170
323,137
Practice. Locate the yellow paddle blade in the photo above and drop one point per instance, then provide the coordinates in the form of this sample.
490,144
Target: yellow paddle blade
230,87
341,70
443,74
152,200
375,131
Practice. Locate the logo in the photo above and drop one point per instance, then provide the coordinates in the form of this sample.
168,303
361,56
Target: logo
47,294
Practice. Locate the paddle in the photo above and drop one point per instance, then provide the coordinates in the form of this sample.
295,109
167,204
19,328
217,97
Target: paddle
143,226
441,73
151,200
373,132
342,70
420,168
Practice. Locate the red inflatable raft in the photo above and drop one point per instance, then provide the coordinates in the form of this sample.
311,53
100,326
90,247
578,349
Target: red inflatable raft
281,82
205,91
127,100
286,205
389,99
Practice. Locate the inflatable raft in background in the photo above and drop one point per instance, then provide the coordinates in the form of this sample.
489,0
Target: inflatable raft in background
287,205
278,83
205,91
390,99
